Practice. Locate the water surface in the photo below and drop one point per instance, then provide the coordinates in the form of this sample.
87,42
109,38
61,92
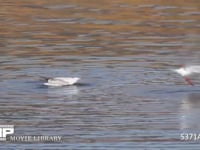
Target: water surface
123,51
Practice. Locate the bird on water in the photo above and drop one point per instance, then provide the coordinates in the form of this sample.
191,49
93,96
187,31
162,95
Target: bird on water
186,71
61,81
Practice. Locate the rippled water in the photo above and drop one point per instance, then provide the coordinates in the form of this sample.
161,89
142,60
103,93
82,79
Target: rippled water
123,51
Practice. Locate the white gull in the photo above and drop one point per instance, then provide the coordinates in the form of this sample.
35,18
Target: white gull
61,81
186,71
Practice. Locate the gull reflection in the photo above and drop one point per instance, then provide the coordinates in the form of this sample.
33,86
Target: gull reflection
62,92
190,112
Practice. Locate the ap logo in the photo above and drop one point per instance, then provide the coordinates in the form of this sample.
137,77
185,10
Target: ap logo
5,130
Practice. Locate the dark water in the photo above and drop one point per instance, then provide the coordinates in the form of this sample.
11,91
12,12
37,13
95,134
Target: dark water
123,51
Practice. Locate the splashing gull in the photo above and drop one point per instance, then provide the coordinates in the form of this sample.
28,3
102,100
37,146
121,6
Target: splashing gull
186,71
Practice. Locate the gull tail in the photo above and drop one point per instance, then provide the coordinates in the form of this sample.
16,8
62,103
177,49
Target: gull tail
44,78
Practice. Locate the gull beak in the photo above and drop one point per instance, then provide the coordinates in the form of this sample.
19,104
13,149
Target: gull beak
188,81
